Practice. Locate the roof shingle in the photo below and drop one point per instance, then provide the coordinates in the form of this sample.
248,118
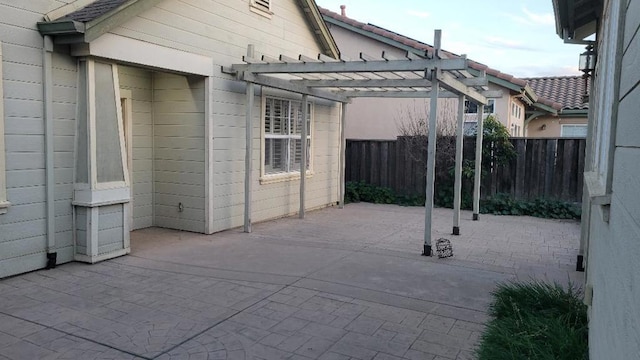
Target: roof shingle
95,10
566,90
418,45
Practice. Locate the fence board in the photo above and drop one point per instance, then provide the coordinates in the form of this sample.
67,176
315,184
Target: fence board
543,168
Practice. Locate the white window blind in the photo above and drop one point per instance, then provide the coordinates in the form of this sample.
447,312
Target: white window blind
577,130
282,136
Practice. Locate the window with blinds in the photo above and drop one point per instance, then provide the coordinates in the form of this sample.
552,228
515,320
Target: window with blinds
282,136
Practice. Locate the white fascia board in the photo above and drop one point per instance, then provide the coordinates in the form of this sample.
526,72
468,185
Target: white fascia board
120,48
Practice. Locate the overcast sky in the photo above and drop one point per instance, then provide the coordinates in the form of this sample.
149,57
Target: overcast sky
514,36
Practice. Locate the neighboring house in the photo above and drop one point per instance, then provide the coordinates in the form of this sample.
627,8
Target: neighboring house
571,120
115,115
379,118
611,204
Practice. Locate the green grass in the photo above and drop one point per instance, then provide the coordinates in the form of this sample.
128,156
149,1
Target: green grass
535,321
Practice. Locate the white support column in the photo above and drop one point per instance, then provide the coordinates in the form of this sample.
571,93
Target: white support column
478,168
343,149
431,148
248,160
457,187
303,160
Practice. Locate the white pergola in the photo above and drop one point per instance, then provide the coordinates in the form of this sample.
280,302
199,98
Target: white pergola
433,76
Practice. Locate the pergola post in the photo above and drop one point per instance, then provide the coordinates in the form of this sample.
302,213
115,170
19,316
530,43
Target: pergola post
343,149
431,165
303,153
248,159
431,149
478,167
457,191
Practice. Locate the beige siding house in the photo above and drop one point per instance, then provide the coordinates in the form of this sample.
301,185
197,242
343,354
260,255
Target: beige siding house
571,119
116,116
379,118
611,211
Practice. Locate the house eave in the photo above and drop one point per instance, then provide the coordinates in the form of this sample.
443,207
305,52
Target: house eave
576,20
61,28
546,108
320,28
574,113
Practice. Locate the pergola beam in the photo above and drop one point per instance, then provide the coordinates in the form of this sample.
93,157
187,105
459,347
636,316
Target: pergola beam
287,85
449,82
409,94
381,83
256,66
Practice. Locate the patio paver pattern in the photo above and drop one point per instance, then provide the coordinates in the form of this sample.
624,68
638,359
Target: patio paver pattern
340,284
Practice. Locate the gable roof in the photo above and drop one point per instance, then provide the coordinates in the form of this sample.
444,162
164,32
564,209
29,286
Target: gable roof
566,90
418,47
85,20
95,10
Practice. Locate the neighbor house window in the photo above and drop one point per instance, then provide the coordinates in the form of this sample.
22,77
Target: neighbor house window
262,7
571,130
471,107
4,204
282,136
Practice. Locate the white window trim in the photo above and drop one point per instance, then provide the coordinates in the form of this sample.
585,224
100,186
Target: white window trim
289,176
258,7
566,126
4,204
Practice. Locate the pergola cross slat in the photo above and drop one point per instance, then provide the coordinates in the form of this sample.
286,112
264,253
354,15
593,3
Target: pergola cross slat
340,80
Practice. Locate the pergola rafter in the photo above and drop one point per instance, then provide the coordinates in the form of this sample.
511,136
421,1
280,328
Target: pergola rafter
339,80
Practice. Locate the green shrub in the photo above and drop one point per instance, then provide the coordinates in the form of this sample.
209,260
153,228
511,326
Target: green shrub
503,204
535,321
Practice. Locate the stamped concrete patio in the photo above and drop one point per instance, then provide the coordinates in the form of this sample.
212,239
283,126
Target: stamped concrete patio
341,284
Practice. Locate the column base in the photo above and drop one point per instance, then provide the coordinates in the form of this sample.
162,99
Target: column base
580,263
426,251
456,230
51,260
475,217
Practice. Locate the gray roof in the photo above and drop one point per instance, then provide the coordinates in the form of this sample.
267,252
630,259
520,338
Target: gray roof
95,10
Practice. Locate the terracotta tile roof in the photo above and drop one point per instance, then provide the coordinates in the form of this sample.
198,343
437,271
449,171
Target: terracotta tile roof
95,10
426,47
566,90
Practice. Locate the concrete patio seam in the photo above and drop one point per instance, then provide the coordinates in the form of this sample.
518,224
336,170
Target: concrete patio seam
77,336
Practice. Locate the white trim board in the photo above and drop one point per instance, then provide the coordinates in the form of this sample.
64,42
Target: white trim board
116,47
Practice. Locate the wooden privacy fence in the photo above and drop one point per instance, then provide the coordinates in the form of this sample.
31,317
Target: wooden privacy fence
543,168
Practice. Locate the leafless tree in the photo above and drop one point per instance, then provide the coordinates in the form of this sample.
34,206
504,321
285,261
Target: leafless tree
412,123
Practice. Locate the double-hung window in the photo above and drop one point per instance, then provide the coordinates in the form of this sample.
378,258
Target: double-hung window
471,107
282,124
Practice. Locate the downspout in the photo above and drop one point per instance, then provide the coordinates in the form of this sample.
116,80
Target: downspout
47,69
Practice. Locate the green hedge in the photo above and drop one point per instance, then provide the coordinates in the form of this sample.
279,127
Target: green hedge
500,204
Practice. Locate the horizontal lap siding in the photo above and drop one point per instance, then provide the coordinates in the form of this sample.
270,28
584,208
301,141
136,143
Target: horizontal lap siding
110,231
139,81
23,235
179,143
222,29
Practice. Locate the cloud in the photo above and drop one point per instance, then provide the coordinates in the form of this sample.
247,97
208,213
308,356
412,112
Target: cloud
502,43
528,17
420,14
540,19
